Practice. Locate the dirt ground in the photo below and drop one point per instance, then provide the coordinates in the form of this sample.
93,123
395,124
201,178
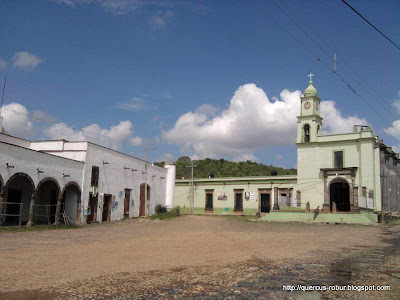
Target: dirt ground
69,262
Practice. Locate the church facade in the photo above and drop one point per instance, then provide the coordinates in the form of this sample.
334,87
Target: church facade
343,172
348,178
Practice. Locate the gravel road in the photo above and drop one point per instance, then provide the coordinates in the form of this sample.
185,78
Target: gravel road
141,258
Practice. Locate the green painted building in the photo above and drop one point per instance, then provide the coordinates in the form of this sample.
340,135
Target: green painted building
342,178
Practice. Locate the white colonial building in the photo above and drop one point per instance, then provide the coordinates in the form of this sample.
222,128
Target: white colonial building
45,180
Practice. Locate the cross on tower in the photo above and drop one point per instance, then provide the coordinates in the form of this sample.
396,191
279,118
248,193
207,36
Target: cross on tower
310,75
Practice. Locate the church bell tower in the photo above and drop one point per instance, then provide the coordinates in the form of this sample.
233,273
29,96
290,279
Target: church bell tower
309,124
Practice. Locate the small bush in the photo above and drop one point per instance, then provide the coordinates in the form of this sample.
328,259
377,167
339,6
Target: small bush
160,209
173,213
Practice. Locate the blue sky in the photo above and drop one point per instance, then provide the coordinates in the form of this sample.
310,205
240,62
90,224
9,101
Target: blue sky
129,74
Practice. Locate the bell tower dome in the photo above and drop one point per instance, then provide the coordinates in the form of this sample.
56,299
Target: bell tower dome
309,122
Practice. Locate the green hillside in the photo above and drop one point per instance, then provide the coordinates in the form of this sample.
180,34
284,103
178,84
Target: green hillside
224,168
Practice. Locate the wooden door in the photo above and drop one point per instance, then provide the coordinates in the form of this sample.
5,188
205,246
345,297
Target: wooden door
106,208
142,210
238,201
93,207
265,203
126,202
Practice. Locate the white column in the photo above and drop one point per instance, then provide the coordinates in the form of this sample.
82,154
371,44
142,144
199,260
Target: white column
170,186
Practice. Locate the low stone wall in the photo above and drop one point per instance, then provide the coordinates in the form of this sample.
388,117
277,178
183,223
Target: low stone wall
364,218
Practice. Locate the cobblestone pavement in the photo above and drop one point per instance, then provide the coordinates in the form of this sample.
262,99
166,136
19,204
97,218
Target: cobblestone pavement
257,277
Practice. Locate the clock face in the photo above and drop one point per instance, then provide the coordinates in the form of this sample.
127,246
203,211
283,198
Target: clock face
307,105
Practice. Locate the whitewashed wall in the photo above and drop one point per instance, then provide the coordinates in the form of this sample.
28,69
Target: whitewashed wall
114,179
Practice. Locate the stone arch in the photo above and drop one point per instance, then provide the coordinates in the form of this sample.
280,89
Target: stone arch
71,183
49,179
17,194
45,204
339,195
71,202
18,175
306,132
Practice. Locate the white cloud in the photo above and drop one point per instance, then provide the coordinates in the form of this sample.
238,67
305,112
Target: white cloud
16,120
3,64
41,116
26,61
246,157
250,122
334,122
396,104
135,104
160,19
136,141
112,138
278,156
166,157
394,130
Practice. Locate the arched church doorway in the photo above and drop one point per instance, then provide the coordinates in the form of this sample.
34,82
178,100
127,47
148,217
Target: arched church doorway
340,195
142,208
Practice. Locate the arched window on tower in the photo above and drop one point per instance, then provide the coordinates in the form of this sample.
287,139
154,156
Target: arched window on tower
306,133
318,130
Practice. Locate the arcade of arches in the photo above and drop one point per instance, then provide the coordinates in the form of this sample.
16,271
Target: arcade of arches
23,203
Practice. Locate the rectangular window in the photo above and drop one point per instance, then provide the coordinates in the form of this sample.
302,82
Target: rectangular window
209,201
95,176
338,159
238,200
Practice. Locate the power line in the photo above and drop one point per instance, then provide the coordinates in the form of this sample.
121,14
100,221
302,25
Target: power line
370,23
386,105
336,73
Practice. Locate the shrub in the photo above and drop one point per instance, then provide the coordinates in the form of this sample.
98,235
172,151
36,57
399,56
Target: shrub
160,209
173,213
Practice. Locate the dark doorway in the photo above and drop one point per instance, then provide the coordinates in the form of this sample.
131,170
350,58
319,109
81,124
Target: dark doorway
142,210
126,203
209,201
340,195
92,209
265,203
14,196
106,208
238,201
46,203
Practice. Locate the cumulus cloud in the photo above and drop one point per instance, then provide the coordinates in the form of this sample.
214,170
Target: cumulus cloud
136,141
3,64
250,122
16,120
39,115
26,61
394,130
112,138
246,157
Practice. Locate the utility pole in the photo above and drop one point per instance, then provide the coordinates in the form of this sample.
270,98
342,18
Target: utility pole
191,188
145,176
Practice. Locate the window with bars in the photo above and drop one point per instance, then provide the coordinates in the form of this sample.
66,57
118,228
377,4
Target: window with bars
338,159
